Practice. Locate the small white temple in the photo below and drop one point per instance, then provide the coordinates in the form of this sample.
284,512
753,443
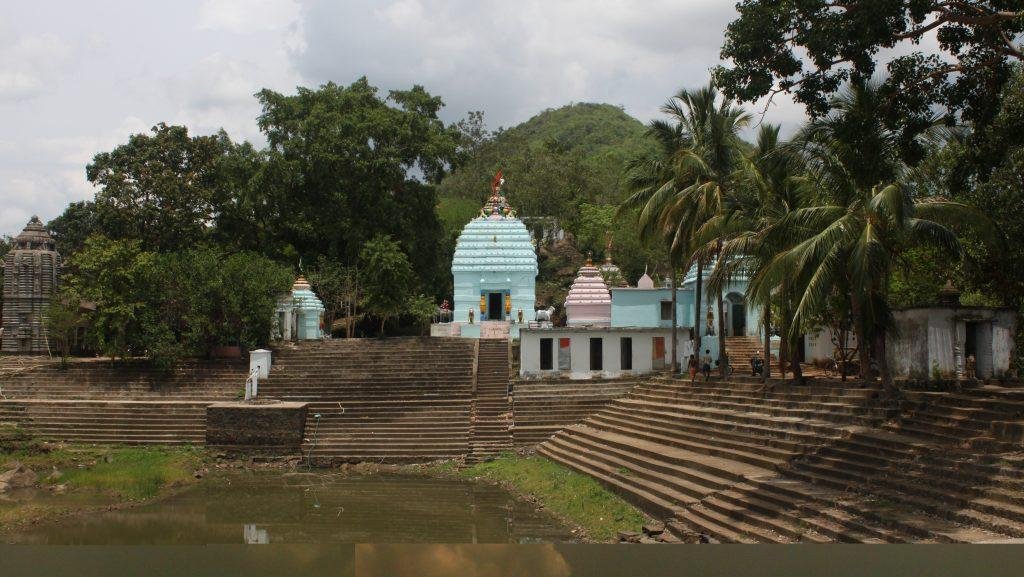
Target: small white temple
300,314
588,301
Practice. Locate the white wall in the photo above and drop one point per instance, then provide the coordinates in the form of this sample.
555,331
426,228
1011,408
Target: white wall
579,347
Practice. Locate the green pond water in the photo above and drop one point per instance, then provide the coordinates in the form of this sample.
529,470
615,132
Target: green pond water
301,508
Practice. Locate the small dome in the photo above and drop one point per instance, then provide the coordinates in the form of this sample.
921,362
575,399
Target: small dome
303,297
588,301
645,282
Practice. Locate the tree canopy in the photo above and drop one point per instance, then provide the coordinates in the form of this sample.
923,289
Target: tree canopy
812,48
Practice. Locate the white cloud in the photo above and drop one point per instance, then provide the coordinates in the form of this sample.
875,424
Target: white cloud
83,77
246,16
515,59
28,63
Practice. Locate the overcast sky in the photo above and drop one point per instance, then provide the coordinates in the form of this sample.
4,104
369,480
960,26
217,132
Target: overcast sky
77,77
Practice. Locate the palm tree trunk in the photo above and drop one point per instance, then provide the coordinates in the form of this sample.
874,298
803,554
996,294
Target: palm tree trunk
860,332
675,319
883,364
722,355
798,372
767,348
696,313
784,330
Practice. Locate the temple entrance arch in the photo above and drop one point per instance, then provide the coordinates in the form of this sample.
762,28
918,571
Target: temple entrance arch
737,307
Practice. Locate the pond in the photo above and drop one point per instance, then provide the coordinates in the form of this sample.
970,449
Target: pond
313,508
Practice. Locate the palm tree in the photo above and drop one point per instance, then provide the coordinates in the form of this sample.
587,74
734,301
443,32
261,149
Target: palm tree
751,225
653,181
863,214
713,163
690,182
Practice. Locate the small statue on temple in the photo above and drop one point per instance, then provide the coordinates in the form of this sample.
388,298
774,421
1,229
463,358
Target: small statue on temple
520,315
471,310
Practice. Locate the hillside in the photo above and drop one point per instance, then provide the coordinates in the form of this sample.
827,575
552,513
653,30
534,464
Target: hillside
552,163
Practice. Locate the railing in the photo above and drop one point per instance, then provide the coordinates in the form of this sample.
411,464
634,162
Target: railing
252,384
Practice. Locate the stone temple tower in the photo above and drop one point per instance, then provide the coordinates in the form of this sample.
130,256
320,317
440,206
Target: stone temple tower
31,275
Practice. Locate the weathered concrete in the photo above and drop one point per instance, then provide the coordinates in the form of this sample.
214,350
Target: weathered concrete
933,343
267,427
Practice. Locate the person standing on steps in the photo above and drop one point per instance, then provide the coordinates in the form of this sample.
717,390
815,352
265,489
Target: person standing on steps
691,367
756,364
705,364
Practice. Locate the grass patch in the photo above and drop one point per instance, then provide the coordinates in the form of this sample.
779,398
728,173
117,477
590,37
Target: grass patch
575,498
130,473
136,473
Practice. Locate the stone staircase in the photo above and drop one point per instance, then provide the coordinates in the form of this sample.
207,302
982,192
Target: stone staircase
490,433
94,401
542,408
100,379
741,349
381,400
741,465
940,456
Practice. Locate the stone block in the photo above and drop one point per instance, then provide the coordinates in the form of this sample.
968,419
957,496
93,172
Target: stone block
276,428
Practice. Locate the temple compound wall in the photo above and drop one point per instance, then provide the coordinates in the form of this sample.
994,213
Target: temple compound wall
597,352
31,278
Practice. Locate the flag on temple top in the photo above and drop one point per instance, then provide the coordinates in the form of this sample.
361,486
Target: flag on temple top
496,184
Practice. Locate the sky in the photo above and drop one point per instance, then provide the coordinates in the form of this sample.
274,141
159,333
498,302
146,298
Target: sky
77,78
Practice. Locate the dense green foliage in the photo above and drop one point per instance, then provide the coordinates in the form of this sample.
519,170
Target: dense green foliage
568,163
162,248
584,146
823,218
812,48
168,305
386,277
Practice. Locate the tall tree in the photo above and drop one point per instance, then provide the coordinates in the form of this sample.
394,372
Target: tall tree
713,162
344,164
387,279
655,181
157,188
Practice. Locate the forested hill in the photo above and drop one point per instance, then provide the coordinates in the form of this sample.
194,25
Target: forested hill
552,163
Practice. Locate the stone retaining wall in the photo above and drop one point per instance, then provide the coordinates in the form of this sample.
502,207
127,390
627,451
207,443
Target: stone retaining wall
267,428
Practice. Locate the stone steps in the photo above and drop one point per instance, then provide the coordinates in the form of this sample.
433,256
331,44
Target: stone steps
401,400
795,464
490,433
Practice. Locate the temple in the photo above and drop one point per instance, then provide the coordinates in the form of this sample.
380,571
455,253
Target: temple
588,301
300,314
495,274
31,277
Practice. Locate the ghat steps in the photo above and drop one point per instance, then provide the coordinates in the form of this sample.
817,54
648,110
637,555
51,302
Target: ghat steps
490,434
741,349
383,400
796,464
542,408
93,401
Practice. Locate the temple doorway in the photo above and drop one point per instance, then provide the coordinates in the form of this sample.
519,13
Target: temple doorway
737,314
495,307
